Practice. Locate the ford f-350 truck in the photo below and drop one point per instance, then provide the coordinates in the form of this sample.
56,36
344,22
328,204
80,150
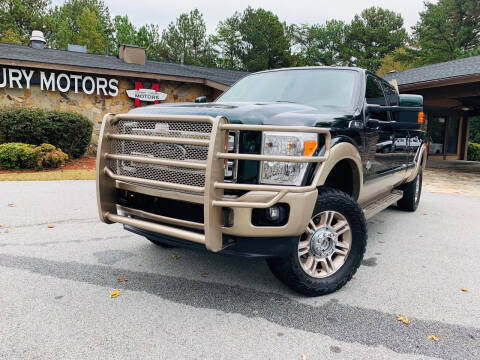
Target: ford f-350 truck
284,165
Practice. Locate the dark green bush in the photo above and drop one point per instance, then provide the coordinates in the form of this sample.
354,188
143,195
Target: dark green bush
69,131
18,156
26,156
473,151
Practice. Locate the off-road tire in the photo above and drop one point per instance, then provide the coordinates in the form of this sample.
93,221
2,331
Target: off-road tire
289,271
409,201
161,243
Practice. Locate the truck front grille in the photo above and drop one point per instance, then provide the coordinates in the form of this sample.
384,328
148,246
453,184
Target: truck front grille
161,150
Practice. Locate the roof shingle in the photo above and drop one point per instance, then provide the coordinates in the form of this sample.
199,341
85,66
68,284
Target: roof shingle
63,57
445,70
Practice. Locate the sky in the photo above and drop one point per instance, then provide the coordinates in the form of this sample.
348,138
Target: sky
162,12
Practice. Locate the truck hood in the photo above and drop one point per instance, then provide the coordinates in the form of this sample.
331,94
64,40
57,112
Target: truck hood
276,113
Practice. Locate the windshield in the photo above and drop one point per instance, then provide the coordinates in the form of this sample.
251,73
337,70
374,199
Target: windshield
312,87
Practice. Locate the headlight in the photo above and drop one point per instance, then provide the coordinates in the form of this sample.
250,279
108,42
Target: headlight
286,144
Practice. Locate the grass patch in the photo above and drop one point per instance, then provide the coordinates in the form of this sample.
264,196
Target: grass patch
49,175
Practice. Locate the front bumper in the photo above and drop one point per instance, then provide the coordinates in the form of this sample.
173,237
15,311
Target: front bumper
212,233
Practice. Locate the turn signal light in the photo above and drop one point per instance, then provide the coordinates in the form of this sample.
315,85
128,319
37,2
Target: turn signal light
309,147
420,117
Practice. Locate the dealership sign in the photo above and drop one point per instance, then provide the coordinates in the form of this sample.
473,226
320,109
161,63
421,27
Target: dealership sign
149,95
146,95
53,81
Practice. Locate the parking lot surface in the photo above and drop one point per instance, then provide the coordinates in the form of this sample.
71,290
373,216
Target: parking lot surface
59,263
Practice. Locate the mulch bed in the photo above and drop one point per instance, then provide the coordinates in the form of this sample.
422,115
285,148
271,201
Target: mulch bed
84,163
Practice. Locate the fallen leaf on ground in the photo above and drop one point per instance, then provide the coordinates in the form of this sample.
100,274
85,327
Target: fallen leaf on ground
50,226
176,257
205,274
433,337
403,319
11,205
464,289
114,294
122,279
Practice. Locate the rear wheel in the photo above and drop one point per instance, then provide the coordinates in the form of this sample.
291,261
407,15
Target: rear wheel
411,193
330,250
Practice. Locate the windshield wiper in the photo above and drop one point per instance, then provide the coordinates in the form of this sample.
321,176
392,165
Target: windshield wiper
286,101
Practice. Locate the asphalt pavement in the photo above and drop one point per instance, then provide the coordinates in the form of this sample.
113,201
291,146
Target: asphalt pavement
59,263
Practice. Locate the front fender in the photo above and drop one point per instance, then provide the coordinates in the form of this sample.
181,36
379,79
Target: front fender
343,151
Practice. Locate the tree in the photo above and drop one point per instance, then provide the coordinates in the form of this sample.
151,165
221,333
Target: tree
148,37
69,23
124,32
396,61
228,40
264,41
18,18
373,34
323,44
186,37
87,32
447,30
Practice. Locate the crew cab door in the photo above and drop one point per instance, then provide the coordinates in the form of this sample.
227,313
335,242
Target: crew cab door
384,152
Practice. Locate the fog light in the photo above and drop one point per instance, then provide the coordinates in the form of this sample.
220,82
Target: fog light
273,213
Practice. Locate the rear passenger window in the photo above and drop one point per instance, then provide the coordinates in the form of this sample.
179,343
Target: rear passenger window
390,94
374,95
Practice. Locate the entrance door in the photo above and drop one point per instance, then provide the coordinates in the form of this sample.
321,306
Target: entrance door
443,135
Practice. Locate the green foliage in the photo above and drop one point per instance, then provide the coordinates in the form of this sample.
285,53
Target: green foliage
68,131
474,132
147,36
26,156
82,22
322,44
19,17
473,153
265,44
447,30
18,156
228,40
396,60
373,34
187,36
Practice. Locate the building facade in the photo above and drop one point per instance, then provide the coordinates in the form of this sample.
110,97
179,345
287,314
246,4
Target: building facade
451,92
94,85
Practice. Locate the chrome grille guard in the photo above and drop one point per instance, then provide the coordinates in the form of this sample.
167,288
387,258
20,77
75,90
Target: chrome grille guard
129,158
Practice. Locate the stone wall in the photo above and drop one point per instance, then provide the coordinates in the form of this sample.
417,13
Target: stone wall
94,107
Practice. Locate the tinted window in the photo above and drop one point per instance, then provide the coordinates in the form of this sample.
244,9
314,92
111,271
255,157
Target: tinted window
374,92
374,95
390,94
315,87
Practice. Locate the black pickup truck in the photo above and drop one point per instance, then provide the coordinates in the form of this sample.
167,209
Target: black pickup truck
287,165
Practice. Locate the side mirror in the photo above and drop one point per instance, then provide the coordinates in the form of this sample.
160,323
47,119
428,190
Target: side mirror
201,99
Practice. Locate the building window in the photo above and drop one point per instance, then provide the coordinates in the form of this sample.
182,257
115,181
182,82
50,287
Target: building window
443,135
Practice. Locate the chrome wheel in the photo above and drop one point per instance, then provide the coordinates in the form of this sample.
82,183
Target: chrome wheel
325,245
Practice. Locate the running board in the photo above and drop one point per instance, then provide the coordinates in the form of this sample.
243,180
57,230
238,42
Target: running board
378,205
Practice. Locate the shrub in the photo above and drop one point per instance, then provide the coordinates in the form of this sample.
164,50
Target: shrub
50,157
18,156
69,131
473,151
25,156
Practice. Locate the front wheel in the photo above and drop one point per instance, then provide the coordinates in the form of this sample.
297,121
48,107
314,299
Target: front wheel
330,250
